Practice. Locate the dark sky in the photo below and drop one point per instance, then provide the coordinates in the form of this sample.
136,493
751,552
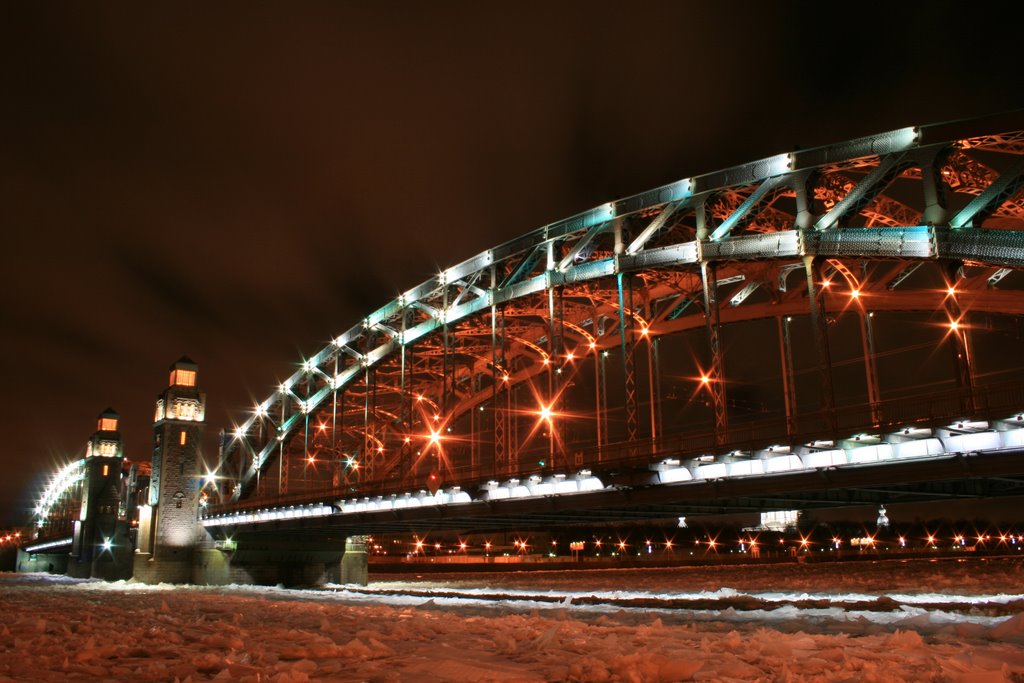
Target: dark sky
242,182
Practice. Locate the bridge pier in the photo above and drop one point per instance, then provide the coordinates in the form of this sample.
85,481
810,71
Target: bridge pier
355,563
43,562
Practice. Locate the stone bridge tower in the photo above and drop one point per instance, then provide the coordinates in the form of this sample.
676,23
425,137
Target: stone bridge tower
101,547
168,526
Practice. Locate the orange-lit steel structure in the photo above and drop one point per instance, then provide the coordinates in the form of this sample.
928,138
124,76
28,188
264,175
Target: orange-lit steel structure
810,293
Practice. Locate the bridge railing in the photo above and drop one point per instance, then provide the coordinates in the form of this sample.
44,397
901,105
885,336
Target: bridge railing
935,409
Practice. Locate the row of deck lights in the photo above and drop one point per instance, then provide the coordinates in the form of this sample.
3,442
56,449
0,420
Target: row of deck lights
774,459
751,544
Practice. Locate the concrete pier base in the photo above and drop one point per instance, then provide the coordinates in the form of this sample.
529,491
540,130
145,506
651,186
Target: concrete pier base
146,569
355,564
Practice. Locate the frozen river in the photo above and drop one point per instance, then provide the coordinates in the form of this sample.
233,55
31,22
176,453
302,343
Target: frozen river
866,621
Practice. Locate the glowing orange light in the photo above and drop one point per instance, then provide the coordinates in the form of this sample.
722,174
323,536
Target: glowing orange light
593,345
547,361
704,379
569,356
668,545
407,439
487,545
311,459
462,545
855,293
931,539
826,283
436,418
545,413
622,545
954,325
380,449
504,378
322,427
435,437
643,331
951,291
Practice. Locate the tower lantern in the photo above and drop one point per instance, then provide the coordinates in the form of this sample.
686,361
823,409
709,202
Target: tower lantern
106,440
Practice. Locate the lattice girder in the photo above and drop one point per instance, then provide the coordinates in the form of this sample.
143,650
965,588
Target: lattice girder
864,200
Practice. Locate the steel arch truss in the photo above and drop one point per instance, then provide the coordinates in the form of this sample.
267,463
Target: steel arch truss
490,345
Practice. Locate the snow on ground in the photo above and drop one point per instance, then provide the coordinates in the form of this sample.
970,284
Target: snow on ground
865,621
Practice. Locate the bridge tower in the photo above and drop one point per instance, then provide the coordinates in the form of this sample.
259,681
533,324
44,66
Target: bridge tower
168,524
101,547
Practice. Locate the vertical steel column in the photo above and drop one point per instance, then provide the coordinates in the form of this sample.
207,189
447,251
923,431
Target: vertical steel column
334,406
597,399
378,431
305,435
563,379
604,400
365,455
335,457
412,462
403,399
651,394
498,395
598,385
654,362
867,337
716,375
513,430
819,328
786,365
261,483
404,408
959,334
628,370
341,423
444,356
552,364
282,466
305,449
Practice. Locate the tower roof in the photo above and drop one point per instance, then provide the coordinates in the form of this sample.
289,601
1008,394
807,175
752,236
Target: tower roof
184,363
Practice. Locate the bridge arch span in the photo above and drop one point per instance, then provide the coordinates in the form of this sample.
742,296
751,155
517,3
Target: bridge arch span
809,291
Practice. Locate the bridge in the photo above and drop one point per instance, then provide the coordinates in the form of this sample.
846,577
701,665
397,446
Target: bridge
823,327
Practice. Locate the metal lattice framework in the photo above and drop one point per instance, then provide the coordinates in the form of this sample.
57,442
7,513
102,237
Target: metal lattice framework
467,375
60,502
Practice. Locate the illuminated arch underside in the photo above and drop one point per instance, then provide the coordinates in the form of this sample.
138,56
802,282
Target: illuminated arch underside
871,210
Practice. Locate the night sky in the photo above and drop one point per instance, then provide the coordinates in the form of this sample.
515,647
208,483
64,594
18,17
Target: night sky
240,183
